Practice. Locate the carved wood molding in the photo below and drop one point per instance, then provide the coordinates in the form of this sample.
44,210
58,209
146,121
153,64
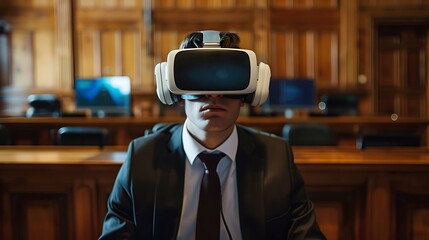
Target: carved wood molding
304,19
190,19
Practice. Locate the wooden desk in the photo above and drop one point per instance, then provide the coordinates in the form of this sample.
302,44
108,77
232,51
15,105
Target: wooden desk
37,130
378,194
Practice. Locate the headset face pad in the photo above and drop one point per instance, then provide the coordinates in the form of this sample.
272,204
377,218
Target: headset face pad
196,97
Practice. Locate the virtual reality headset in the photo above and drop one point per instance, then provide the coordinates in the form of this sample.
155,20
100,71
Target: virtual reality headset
195,72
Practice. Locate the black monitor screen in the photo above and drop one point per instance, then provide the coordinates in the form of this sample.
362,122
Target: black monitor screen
291,94
104,95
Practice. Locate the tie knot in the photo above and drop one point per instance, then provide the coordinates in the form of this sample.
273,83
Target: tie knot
210,160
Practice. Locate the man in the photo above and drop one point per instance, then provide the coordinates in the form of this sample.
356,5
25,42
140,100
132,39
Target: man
156,193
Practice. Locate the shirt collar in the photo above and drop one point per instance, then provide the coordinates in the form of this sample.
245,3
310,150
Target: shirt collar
193,148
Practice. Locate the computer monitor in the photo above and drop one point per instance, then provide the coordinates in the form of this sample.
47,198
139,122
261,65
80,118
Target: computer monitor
291,94
104,96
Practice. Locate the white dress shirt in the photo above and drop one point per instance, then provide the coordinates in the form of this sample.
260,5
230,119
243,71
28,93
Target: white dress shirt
194,171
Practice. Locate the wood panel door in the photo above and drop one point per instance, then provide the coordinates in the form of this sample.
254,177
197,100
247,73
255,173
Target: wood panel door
401,54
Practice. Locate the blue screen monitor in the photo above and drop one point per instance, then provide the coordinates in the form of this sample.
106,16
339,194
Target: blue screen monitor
291,93
104,96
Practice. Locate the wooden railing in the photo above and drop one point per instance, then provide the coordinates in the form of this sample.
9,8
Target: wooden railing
378,194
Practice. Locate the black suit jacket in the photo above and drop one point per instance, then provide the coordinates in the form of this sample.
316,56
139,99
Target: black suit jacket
146,200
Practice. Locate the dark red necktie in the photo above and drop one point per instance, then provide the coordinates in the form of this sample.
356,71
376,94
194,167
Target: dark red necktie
208,217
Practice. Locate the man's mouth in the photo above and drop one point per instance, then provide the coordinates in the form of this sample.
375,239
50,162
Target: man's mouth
213,108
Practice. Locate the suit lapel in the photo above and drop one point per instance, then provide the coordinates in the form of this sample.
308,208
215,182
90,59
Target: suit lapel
250,176
169,187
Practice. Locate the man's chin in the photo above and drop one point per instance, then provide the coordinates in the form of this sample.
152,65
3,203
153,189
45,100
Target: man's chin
216,125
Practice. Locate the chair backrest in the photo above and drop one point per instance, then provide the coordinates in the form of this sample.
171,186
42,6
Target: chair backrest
339,104
4,136
94,136
388,140
158,127
43,105
310,134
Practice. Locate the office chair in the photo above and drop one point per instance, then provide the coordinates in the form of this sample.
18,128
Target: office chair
43,105
158,127
310,134
338,104
388,140
89,136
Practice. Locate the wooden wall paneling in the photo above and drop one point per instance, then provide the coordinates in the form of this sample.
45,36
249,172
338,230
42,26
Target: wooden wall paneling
147,83
164,42
104,188
412,106
64,68
88,54
339,197
378,211
35,206
109,39
394,4
327,64
44,3
22,56
366,59
349,48
31,25
388,78
130,58
190,20
414,212
308,19
410,206
85,3
305,43
86,209
333,25
214,4
39,214
304,3
110,53
40,49
44,76
305,54
281,54
338,211
426,140
203,4
261,28
5,217
415,80
170,27
123,4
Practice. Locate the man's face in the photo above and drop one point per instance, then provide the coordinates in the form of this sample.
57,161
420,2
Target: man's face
212,113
